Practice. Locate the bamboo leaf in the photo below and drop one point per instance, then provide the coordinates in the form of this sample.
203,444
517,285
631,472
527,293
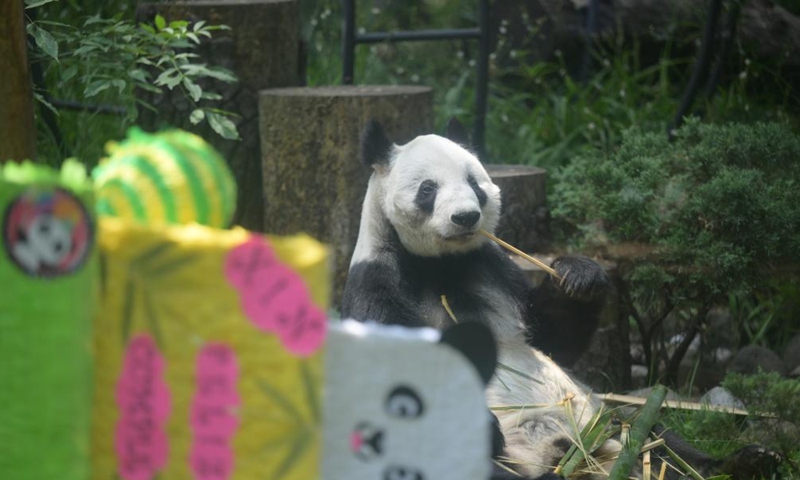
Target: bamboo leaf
295,452
310,388
127,311
171,266
152,320
152,253
517,372
284,404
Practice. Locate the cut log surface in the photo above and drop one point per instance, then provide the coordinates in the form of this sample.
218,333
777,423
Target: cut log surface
262,49
313,179
524,214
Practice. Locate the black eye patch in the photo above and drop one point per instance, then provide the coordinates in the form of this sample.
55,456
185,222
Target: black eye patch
404,402
426,196
478,190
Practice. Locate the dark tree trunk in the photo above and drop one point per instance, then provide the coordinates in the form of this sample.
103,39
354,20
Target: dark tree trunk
17,132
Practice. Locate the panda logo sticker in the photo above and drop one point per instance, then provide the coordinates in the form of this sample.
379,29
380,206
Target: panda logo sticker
47,232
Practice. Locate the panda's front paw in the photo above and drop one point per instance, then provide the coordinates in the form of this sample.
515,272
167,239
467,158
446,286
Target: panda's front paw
581,277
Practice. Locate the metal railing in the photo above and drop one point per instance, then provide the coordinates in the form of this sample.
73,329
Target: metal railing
350,39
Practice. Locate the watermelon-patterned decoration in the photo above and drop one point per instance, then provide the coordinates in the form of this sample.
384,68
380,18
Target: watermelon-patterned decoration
170,177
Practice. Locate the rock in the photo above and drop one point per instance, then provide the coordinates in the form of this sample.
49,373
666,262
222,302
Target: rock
791,354
638,376
795,373
645,393
752,358
721,397
720,331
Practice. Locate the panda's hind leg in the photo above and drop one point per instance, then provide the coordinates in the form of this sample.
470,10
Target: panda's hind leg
562,315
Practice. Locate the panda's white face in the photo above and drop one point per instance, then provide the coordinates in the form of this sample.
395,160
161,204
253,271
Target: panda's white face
437,195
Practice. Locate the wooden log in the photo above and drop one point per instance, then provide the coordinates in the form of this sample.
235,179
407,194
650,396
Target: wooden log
17,132
262,49
313,179
523,222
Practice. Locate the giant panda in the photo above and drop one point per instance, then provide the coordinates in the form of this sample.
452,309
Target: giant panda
418,244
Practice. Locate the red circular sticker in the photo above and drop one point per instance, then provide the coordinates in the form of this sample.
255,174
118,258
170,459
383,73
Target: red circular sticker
47,232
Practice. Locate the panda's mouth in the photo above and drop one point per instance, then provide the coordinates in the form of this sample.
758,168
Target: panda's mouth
460,237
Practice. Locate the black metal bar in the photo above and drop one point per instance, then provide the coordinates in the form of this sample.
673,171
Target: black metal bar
482,80
350,39
88,107
418,35
588,39
348,42
728,39
700,67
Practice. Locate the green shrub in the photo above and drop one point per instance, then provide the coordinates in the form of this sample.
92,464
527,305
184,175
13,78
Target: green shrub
775,411
717,210
722,201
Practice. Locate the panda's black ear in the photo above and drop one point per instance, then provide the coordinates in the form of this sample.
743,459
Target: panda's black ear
476,342
375,146
456,132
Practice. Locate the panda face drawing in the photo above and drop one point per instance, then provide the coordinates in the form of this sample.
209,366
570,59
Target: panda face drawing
47,232
47,241
437,195
415,411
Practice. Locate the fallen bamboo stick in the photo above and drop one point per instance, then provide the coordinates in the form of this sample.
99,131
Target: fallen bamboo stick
677,404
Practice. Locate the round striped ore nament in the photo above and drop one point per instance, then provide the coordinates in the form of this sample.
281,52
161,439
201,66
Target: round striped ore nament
168,177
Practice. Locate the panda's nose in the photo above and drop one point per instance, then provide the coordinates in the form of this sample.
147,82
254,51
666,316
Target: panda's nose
465,219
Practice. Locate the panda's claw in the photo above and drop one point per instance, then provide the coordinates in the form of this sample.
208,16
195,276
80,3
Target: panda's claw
581,277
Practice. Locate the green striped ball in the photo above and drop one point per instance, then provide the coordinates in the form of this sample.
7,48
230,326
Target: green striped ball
172,177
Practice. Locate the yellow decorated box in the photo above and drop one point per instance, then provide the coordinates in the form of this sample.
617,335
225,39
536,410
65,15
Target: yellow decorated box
209,354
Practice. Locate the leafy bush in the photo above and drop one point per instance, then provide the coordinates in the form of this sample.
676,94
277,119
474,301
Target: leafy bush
722,201
113,60
775,411
717,210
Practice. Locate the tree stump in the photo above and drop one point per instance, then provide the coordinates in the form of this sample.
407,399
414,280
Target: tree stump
523,222
313,178
17,132
262,49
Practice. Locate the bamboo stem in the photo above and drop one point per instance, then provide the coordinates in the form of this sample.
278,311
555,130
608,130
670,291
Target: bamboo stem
519,252
639,431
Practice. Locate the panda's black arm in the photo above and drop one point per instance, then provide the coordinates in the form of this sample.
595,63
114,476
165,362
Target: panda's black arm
562,316
373,293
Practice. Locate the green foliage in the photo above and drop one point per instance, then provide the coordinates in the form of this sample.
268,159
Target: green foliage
722,202
770,316
772,402
112,61
538,114
718,434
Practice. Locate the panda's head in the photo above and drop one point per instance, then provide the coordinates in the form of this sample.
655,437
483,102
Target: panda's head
433,191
